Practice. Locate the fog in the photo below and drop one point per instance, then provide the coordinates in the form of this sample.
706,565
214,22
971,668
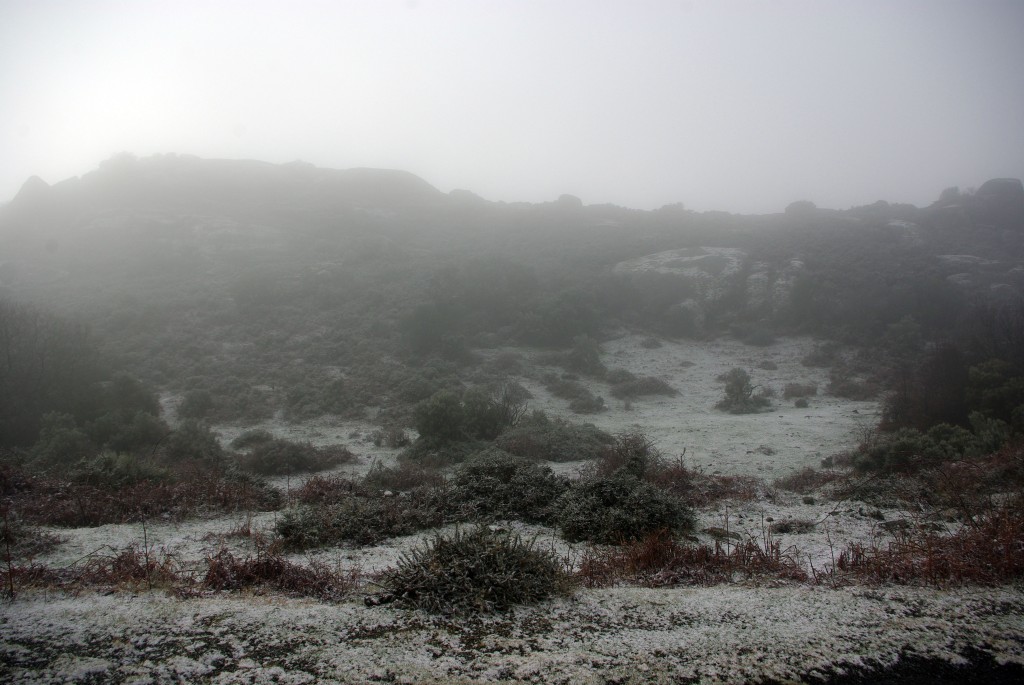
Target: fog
739,106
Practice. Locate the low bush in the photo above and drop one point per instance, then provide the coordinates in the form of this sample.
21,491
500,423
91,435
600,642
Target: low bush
391,437
908,449
638,387
540,437
616,376
319,488
660,560
476,571
402,477
617,509
252,438
797,390
187,489
989,549
478,414
792,527
495,485
279,457
849,387
195,442
823,355
581,399
740,396
226,572
360,520
807,480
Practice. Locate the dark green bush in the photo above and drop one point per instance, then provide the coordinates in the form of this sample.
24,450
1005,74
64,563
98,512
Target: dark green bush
637,387
496,485
128,432
616,376
360,520
112,470
472,572
908,449
798,390
60,442
581,399
440,420
252,438
479,414
193,441
740,397
539,437
619,508
196,404
404,476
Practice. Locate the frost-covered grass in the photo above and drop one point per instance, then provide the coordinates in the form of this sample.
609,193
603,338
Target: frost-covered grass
782,602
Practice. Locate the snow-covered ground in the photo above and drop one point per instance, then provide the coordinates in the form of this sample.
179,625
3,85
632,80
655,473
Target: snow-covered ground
730,634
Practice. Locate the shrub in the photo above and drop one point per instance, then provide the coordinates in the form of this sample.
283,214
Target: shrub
404,476
440,420
585,356
193,441
581,399
279,457
359,520
496,485
60,442
539,437
226,572
631,453
252,438
112,470
823,355
391,437
616,376
807,479
908,449
479,414
798,390
618,508
659,560
986,550
196,404
478,571
637,387
842,384
739,394
587,404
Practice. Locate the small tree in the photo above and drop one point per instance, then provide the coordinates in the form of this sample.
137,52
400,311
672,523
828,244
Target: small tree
440,420
739,394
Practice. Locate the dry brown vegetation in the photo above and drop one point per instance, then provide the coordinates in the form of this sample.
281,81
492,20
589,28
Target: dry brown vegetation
661,560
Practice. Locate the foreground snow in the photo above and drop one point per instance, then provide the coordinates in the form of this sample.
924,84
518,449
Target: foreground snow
626,635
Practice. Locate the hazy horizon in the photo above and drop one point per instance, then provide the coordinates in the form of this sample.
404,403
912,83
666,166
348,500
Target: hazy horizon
739,106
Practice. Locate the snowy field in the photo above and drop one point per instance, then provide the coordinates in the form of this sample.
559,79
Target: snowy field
737,633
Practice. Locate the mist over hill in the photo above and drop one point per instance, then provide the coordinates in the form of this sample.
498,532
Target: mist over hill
216,275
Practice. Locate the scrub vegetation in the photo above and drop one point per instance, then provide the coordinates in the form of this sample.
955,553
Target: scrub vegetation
129,350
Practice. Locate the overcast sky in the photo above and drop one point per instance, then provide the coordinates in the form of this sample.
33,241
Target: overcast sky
742,106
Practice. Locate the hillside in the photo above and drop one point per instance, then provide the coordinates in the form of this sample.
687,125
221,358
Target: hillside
243,405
